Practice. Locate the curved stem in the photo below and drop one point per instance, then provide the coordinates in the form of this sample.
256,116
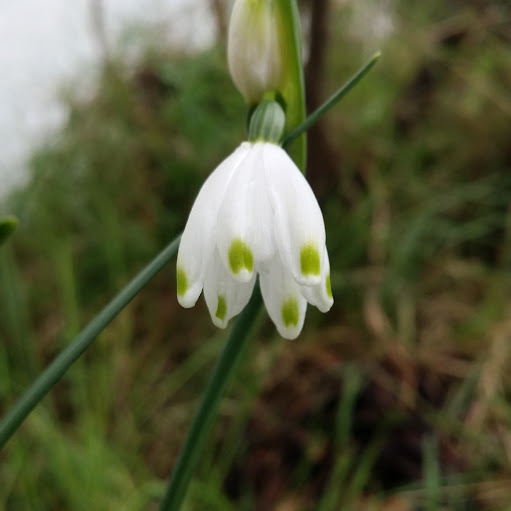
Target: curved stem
330,102
79,344
208,407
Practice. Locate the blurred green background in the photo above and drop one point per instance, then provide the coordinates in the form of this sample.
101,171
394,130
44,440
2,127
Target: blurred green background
398,399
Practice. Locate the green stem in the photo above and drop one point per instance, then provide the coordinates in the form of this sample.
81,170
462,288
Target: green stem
292,87
79,344
208,407
329,103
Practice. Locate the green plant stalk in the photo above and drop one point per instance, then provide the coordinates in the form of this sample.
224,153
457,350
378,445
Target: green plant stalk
432,474
292,87
329,103
208,407
80,343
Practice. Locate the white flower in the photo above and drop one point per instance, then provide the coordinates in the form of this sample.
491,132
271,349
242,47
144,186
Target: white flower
256,214
254,51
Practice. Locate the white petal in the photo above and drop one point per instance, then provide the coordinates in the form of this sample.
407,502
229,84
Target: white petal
299,226
245,219
320,295
197,243
284,302
224,296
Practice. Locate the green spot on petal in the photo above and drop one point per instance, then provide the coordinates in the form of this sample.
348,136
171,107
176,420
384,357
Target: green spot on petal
328,287
221,308
290,312
310,263
182,282
240,257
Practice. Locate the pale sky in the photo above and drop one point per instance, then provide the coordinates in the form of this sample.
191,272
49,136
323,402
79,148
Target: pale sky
47,43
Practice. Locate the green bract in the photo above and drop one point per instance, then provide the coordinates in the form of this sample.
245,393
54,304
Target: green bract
267,122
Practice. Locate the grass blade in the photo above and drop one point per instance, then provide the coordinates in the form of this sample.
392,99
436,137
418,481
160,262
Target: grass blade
331,102
79,344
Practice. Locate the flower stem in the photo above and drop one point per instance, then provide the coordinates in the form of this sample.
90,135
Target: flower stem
292,87
208,407
329,103
79,344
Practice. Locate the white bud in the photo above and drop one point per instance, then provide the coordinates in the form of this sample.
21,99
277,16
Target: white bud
254,49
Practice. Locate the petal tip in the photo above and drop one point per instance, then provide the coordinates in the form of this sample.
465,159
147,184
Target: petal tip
187,301
187,293
288,334
219,323
291,319
325,305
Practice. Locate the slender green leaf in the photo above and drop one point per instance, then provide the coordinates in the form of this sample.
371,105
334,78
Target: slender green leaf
292,88
292,136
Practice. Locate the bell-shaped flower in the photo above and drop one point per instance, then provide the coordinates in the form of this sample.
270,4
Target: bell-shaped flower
256,214
254,48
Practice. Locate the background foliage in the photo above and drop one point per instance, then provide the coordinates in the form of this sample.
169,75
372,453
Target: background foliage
399,398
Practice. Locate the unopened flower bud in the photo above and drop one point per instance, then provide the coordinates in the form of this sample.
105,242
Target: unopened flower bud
254,48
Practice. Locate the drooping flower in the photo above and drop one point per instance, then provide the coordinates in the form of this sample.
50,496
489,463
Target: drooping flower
256,214
254,48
